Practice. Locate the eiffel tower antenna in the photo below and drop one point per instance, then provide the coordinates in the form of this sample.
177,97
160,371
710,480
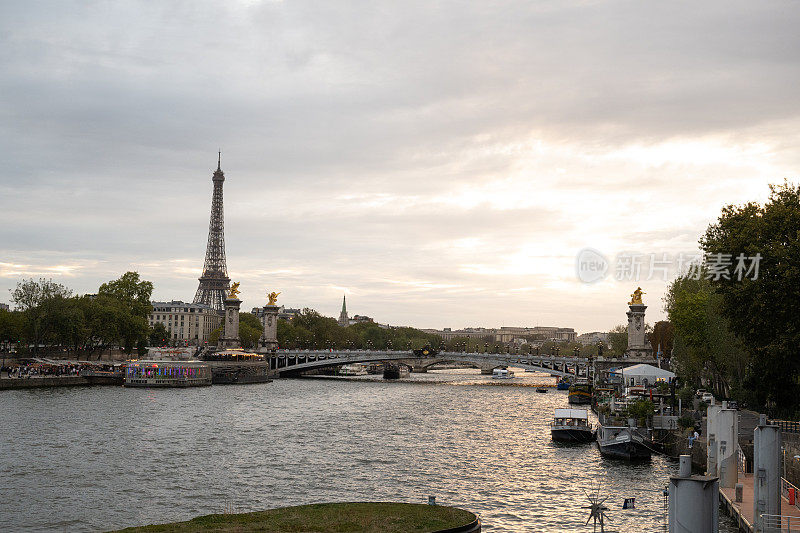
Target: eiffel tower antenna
214,283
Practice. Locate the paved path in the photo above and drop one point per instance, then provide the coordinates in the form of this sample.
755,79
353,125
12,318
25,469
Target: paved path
745,508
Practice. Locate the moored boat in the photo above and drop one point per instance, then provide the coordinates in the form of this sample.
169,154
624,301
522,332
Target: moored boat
571,425
395,371
580,392
542,390
167,374
502,373
563,384
622,442
353,369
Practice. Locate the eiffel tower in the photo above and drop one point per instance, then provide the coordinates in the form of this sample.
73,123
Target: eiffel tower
214,283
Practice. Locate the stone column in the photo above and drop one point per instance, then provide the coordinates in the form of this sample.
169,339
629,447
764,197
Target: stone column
269,337
766,471
637,342
230,330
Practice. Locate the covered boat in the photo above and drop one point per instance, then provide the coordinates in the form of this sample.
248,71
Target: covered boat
622,442
502,373
571,425
167,374
580,392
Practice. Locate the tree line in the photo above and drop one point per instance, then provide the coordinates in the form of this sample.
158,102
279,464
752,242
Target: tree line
48,319
736,329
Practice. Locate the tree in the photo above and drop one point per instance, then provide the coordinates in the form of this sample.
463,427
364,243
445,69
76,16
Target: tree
35,300
158,334
618,339
133,298
704,346
762,309
662,337
29,294
250,329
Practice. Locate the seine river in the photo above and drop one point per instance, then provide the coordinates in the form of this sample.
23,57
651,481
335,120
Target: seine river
100,458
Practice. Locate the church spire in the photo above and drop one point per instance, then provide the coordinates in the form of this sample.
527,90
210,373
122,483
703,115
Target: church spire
344,321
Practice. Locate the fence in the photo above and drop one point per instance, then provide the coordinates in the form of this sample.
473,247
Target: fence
787,426
773,523
741,460
785,486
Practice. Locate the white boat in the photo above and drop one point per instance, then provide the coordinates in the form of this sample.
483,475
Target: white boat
502,373
354,369
571,425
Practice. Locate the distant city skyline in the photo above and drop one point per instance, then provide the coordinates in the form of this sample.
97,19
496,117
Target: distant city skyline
443,165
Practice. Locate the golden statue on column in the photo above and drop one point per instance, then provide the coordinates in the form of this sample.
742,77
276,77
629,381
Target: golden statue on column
636,297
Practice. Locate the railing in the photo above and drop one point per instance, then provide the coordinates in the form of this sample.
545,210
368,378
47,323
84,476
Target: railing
741,460
773,523
785,486
665,422
787,426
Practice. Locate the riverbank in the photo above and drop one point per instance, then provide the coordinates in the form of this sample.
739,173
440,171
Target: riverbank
38,382
384,517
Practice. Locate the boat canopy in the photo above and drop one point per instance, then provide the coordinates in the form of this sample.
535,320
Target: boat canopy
572,413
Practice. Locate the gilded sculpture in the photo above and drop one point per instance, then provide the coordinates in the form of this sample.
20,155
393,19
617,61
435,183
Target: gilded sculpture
234,292
273,297
636,297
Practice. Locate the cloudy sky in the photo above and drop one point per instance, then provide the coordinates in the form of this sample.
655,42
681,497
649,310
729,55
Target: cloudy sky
441,163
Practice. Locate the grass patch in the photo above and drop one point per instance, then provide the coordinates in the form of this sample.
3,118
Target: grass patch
367,517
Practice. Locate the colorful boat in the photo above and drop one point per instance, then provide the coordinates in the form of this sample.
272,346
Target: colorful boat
580,392
167,374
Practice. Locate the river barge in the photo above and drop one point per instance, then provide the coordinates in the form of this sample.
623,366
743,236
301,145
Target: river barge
167,374
395,371
571,425
622,442
580,392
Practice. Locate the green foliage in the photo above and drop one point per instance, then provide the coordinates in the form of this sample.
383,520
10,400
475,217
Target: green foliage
704,346
618,339
364,517
29,294
686,422
311,330
130,298
686,395
213,337
641,409
12,325
250,329
662,336
763,311
51,317
158,334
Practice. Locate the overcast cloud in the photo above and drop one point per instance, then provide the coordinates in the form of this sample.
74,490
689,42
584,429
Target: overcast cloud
441,163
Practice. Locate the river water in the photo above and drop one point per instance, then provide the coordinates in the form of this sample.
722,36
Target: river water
100,458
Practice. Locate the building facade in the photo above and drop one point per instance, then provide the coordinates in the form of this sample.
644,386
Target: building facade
187,323
508,334
284,313
593,338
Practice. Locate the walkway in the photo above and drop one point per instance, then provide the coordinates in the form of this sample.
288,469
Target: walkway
744,510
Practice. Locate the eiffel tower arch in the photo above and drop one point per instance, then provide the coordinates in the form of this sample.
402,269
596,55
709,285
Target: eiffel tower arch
215,283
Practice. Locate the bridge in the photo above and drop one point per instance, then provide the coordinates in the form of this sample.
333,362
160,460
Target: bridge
292,362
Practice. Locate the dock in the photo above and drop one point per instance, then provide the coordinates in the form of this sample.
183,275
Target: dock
742,512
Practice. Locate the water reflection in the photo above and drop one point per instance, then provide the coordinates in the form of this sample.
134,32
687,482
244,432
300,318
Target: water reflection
89,459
